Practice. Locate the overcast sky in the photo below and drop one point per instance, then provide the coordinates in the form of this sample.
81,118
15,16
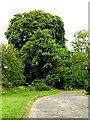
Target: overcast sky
74,13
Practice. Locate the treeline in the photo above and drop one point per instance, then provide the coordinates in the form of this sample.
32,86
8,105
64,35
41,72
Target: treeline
37,55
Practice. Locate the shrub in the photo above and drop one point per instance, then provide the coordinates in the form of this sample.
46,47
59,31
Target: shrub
40,85
31,88
13,74
21,88
5,82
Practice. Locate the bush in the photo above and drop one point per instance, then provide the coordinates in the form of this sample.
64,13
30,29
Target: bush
12,68
49,80
5,82
21,88
40,85
79,70
31,88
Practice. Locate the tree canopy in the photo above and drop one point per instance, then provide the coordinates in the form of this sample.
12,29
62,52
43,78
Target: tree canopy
39,55
80,43
22,26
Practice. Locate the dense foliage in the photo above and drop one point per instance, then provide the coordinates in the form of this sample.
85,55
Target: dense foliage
12,69
42,56
79,70
79,60
22,26
39,55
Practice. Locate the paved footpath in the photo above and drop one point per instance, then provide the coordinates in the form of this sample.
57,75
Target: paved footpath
64,105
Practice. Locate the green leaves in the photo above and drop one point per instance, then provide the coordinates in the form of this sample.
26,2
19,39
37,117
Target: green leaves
39,37
79,60
42,55
23,26
80,43
13,74
79,71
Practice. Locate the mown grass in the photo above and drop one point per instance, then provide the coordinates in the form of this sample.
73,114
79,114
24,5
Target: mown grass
15,101
84,92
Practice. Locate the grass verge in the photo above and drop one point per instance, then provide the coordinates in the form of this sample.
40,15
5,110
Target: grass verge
84,92
15,101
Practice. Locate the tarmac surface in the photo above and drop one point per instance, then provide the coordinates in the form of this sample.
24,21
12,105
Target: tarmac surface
64,105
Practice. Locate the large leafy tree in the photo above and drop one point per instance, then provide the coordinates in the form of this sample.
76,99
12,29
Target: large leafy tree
22,27
44,59
80,43
39,56
12,68
40,38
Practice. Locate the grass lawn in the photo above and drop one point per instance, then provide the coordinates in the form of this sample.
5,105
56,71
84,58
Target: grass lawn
14,101
79,91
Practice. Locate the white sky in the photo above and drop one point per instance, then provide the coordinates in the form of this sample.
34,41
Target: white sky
74,13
